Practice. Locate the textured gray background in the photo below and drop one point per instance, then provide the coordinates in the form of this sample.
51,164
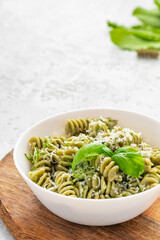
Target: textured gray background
57,56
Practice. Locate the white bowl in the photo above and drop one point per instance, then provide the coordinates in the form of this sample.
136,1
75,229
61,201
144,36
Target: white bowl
96,212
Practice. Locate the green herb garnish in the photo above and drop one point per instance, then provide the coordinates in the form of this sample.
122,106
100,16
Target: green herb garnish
139,32
87,152
129,161
47,144
84,169
157,2
145,36
133,40
29,157
127,158
150,17
35,157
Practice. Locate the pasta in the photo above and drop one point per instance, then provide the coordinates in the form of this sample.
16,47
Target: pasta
64,183
76,126
107,168
96,177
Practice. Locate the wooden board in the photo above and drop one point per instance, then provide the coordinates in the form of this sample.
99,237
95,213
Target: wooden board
26,218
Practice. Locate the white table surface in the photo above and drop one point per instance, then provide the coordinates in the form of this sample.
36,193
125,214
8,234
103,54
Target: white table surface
57,56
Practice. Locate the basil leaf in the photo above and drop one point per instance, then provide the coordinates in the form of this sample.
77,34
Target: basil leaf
148,35
150,17
139,32
157,2
128,40
107,151
112,24
129,160
125,149
147,28
87,152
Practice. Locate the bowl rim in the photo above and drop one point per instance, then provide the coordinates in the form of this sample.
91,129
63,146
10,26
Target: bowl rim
26,178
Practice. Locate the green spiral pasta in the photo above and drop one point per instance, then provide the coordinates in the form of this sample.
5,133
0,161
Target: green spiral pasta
93,181
64,184
150,180
102,125
95,127
41,174
41,177
78,188
148,164
40,142
109,122
90,193
97,177
76,126
123,194
64,158
77,142
155,157
133,185
107,168
41,169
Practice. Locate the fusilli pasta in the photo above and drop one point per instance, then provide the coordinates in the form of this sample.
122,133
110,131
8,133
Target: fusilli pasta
99,177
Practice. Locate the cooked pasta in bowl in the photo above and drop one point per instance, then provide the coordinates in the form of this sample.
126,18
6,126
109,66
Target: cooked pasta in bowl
92,166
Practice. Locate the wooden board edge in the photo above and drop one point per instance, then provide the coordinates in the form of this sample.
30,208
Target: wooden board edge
12,226
9,222
6,217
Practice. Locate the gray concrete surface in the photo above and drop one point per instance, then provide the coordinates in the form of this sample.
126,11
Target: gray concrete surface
56,56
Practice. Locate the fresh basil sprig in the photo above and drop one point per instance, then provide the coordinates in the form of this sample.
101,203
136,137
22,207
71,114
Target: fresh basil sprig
87,152
129,161
138,32
150,17
127,158
133,40
145,36
157,2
